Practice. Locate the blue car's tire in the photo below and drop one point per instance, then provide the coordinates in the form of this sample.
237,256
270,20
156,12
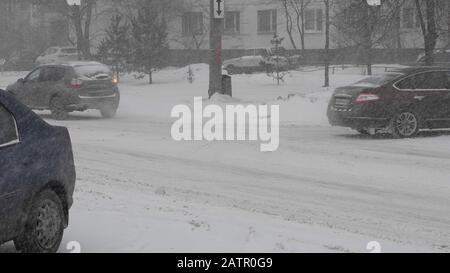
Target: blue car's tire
44,228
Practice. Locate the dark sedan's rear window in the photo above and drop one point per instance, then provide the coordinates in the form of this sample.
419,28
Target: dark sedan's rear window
93,72
378,80
8,131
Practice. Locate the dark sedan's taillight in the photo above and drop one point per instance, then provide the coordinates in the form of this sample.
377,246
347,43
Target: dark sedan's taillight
367,97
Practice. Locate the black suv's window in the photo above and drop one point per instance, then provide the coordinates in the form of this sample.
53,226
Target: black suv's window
52,74
426,81
34,76
8,129
93,71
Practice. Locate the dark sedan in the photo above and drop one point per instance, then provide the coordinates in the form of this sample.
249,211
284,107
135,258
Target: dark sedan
37,178
64,88
401,102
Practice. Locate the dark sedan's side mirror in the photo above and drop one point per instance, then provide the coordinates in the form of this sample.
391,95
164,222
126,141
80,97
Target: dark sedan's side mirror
20,80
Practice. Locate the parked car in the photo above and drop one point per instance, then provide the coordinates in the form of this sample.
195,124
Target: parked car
57,54
37,178
244,64
64,88
251,64
401,102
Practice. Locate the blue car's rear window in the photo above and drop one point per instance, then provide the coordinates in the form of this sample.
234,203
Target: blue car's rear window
8,131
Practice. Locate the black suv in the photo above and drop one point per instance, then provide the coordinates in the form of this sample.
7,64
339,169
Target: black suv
37,178
64,88
401,102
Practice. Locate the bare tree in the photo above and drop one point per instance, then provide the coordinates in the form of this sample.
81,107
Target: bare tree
428,26
295,11
80,18
195,39
289,21
364,27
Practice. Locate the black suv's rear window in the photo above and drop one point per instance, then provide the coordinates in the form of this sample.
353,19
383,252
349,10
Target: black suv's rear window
93,72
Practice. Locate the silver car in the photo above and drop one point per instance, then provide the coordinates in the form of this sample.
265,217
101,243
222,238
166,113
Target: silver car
55,55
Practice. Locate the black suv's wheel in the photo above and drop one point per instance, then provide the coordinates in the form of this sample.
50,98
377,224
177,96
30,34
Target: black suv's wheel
108,111
57,108
44,228
405,124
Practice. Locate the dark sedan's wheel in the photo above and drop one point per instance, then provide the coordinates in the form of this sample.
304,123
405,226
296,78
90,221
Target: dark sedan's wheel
57,108
405,125
44,228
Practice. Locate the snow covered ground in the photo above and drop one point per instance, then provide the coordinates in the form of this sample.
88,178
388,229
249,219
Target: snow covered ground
325,190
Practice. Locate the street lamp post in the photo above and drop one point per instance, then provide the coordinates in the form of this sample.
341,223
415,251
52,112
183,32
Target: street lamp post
372,4
75,6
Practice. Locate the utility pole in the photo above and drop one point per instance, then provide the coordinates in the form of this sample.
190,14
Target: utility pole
217,12
327,43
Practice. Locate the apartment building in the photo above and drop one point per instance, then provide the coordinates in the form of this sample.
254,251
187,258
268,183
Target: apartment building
247,24
252,23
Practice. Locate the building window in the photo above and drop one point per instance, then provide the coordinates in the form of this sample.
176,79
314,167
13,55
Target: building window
232,22
313,20
408,18
319,19
192,23
267,21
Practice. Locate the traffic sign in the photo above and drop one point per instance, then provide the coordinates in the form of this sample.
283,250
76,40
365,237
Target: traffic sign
219,9
74,2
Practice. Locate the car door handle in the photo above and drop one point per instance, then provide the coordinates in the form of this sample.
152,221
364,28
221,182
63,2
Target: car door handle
419,97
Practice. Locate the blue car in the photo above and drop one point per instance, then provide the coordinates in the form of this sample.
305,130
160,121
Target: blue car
37,178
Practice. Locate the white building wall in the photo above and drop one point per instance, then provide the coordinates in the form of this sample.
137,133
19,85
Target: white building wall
248,38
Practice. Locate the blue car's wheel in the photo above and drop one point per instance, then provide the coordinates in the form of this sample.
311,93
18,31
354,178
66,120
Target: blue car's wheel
44,228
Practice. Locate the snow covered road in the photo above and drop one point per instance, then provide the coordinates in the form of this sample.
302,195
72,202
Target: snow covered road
325,189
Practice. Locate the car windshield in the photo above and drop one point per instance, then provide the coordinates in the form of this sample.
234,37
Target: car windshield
69,50
377,80
93,72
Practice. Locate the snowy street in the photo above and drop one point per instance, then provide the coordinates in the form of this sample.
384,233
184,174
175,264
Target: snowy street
325,190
